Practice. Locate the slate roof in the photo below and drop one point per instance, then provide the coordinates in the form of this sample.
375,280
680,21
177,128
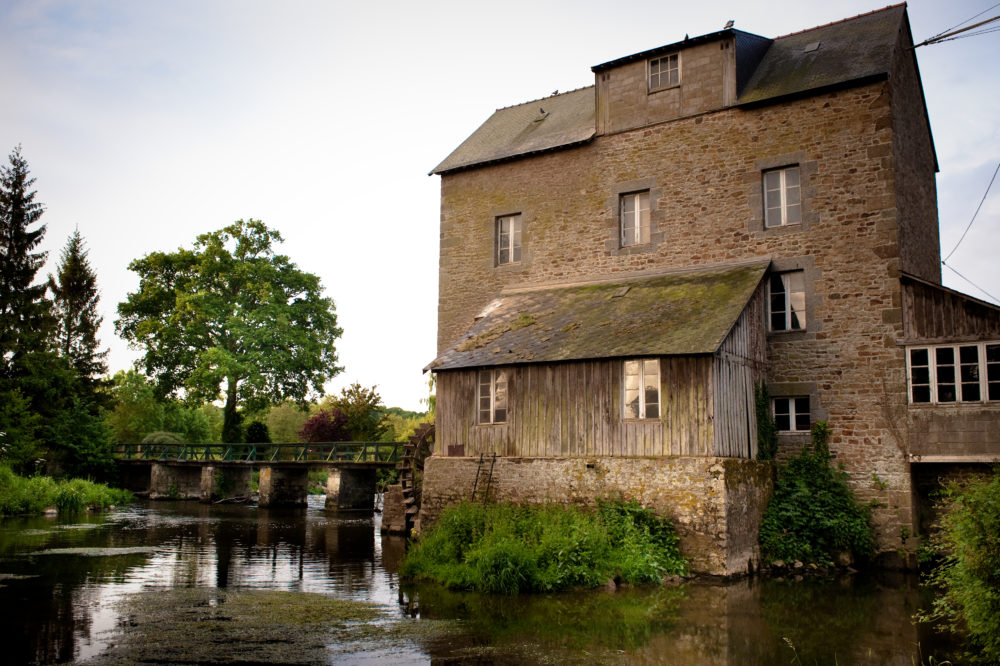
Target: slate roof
678,313
850,51
553,122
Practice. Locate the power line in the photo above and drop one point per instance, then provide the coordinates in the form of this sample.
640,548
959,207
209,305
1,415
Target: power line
965,21
995,299
985,194
949,36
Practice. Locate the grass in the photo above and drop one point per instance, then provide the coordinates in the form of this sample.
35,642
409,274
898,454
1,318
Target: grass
506,549
25,495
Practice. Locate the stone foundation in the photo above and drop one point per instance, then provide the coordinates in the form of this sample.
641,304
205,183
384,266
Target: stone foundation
715,503
393,510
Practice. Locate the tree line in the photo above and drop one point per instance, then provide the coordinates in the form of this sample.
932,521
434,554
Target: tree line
228,321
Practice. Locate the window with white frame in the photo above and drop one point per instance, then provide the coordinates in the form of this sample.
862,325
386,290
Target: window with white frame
664,71
642,389
492,396
782,197
786,299
942,374
791,414
634,218
508,237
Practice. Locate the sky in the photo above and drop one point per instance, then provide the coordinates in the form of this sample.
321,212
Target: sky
146,124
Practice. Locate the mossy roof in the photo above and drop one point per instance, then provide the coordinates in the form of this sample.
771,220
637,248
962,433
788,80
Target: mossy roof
680,313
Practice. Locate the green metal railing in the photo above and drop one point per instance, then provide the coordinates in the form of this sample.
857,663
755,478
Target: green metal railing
332,452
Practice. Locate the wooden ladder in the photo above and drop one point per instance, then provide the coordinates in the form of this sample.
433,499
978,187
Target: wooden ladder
479,474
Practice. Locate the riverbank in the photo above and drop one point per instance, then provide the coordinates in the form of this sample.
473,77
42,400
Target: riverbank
21,495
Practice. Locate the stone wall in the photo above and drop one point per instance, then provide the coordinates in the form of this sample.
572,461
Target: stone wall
715,503
707,171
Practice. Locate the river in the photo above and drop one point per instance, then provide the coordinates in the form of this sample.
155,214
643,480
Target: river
181,582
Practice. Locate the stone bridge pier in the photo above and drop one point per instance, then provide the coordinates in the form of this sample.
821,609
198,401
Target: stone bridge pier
350,489
283,486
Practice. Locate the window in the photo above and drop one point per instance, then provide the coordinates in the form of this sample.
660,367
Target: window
642,389
791,414
664,71
492,396
954,373
782,197
634,217
508,239
786,298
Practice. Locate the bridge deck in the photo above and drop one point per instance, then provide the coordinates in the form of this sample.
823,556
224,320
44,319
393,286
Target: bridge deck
331,454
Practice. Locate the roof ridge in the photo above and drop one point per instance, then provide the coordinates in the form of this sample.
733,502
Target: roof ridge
532,101
843,20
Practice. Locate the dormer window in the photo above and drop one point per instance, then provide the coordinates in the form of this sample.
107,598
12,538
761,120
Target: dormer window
664,72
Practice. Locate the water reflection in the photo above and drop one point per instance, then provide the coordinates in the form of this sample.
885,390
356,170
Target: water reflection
65,607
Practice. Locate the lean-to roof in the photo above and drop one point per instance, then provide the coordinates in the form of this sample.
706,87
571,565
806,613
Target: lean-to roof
679,313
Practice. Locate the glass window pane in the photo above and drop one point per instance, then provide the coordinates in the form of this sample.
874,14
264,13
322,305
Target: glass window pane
920,375
946,393
993,353
970,392
945,374
652,411
968,354
918,357
782,422
921,394
792,177
793,215
944,355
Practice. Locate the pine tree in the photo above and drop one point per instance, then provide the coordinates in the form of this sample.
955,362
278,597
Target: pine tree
25,318
75,302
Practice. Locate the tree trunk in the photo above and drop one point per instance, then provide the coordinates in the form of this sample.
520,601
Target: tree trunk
232,431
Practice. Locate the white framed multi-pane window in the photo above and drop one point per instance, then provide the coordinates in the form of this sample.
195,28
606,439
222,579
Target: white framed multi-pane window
634,218
508,235
641,399
782,197
491,395
791,414
664,71
944,374
786,301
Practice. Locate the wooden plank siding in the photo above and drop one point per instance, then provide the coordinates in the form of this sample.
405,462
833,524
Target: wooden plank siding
933,314
574,409
739,366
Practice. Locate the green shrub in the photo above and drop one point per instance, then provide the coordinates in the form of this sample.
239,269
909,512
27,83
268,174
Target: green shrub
813,514
35,494
504,548
968,573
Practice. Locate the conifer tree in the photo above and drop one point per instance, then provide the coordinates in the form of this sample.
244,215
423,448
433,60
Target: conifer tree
25,319
75,302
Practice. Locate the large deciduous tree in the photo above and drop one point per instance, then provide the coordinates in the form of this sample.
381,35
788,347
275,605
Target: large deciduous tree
231,318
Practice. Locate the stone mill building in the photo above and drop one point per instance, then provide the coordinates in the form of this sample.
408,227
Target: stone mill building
621,264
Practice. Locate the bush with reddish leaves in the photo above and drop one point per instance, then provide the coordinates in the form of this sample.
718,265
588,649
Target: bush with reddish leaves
327,425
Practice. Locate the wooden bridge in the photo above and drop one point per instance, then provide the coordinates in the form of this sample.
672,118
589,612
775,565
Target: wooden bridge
210,472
